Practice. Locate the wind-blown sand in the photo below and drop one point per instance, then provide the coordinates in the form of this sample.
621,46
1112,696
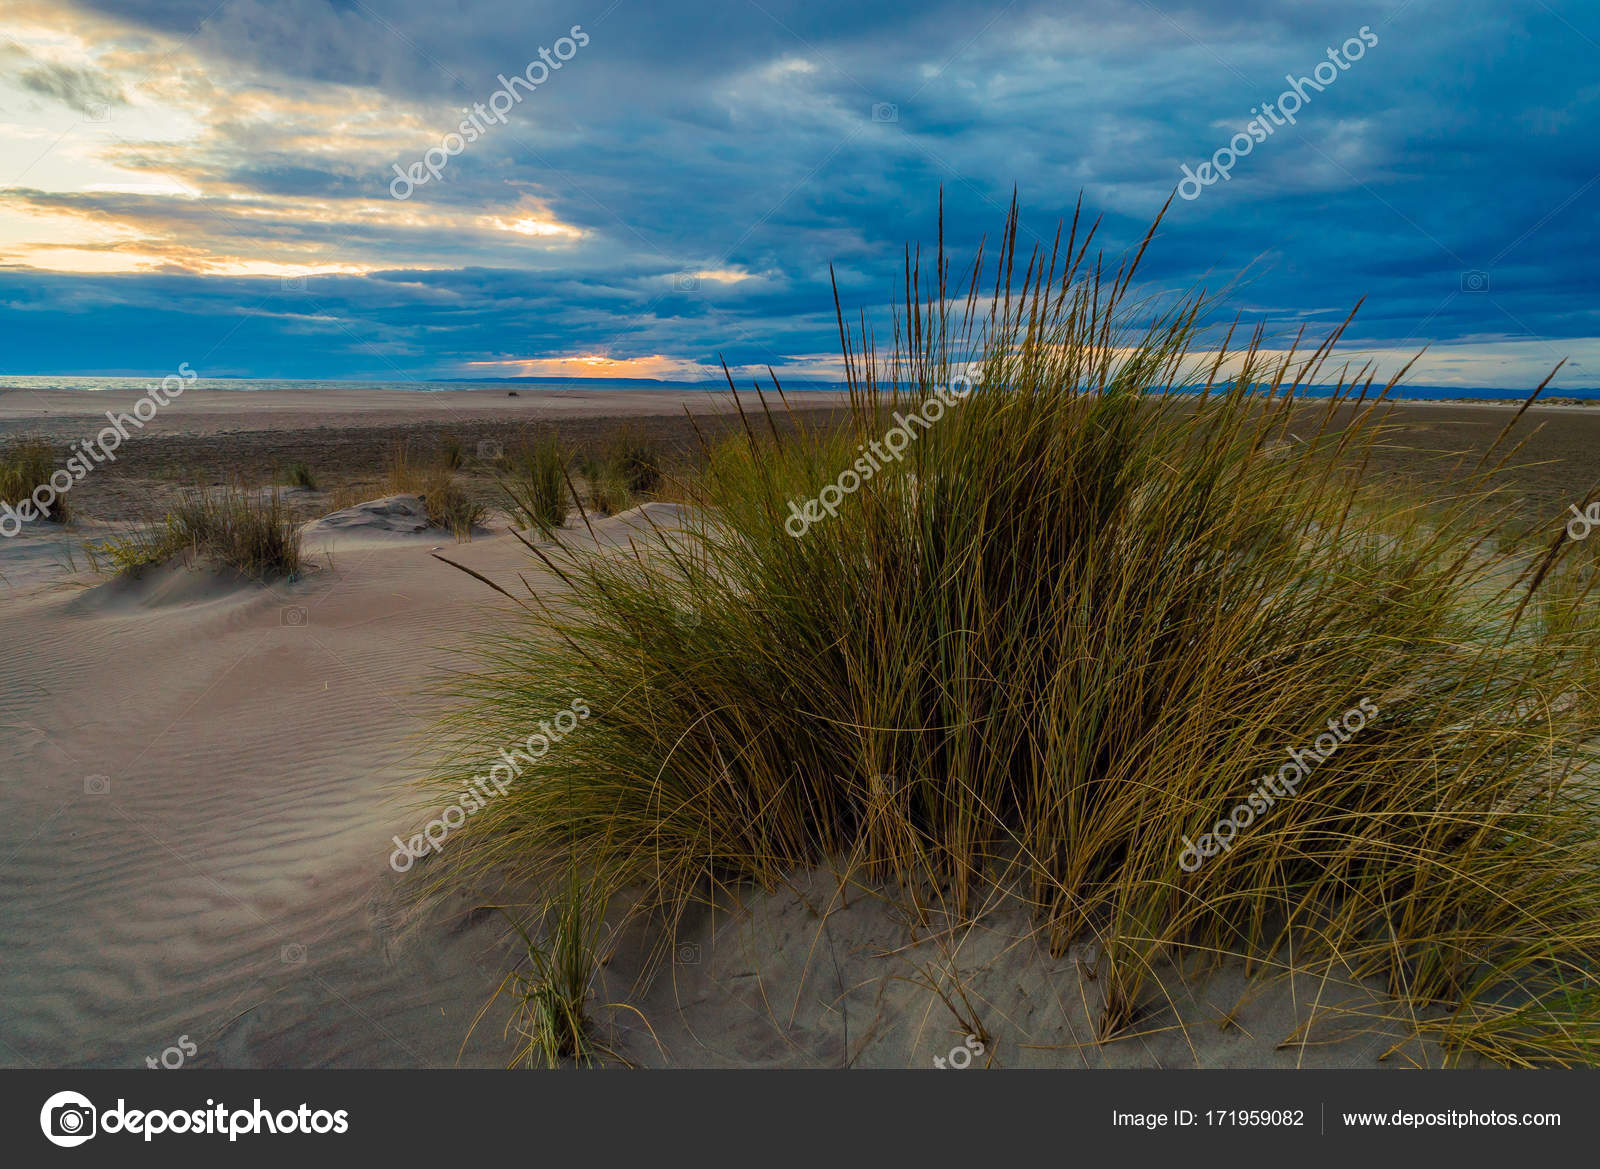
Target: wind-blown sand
231,882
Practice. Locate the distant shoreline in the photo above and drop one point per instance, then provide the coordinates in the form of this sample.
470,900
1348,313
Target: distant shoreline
505,386
65,414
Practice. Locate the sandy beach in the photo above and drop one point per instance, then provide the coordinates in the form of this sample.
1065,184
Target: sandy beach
348,437
203,776
202,849
214,436
202,411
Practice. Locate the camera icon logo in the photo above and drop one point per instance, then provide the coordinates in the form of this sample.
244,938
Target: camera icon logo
293,615
489,450
294,954
293,283
686,282
97,111
688,954
96,785
1475,281
885,112
68,1119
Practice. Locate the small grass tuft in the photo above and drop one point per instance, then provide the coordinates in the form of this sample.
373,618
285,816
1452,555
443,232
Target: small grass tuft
252,533
550,988
608,486
535,483
637,459
297,474
450,506
406,474
26,466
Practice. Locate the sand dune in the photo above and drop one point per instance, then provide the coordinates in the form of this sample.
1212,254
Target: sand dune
201,778
231,882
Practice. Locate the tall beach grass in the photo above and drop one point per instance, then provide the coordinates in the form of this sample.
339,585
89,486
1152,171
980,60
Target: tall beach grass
1070,628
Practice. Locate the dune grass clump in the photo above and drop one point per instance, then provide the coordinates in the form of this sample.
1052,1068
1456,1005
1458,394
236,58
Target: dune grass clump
297,474
26,466
551,986
608,486
637,459
450,506
253,533
629,468
405,474
535,483
1042,641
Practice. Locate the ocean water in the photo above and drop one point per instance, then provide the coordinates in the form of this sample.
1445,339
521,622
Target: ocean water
245,385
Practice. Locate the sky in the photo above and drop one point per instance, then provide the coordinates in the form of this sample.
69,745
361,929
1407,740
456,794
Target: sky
286,189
